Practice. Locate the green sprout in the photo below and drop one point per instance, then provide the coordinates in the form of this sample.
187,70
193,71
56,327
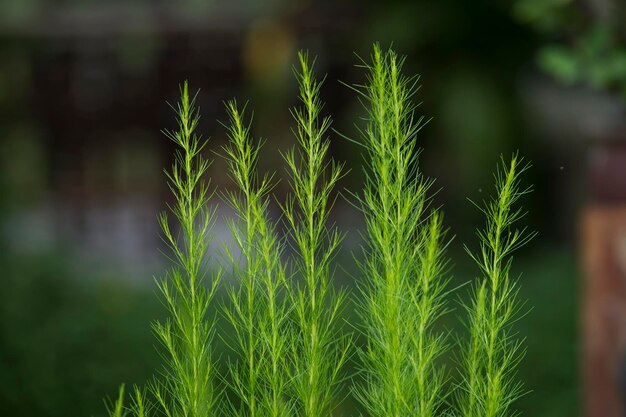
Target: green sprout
188,384
257,308
494,350
320,349
403,262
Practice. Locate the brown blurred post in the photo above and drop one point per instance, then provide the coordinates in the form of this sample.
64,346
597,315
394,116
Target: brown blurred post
604,299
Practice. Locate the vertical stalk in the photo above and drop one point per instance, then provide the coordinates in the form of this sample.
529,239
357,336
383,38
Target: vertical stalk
321,350
188,386
261,337
404,253
490,357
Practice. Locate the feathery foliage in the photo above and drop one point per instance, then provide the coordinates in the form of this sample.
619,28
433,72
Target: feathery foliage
139,406
116,408
289,346
320,349
493,351
257,308
403,262
187,386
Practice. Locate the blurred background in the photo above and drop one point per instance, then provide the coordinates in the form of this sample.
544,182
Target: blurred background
83,91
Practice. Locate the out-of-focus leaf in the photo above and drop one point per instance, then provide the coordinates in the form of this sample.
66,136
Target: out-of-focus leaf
561,63
617,66
543,15
595,42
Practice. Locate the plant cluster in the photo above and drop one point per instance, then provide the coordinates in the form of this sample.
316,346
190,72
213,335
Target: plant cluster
287,345
403,259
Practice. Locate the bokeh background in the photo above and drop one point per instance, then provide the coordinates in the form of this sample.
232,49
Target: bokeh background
83,91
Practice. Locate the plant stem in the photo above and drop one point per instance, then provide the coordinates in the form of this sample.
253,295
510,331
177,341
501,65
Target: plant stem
404,254
188,386
493,352
260,323
321,350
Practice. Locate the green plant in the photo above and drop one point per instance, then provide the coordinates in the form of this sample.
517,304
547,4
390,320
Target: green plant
493,351
257,307
403,262
188,383
285,312
116,408
320,351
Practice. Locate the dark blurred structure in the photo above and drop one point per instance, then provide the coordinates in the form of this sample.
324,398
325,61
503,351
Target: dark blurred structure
605,311
584,51
97,80
83,91
604,253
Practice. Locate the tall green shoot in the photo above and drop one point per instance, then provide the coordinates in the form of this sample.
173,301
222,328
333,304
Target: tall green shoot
403,262
257,310
320,349
491,355
188,383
